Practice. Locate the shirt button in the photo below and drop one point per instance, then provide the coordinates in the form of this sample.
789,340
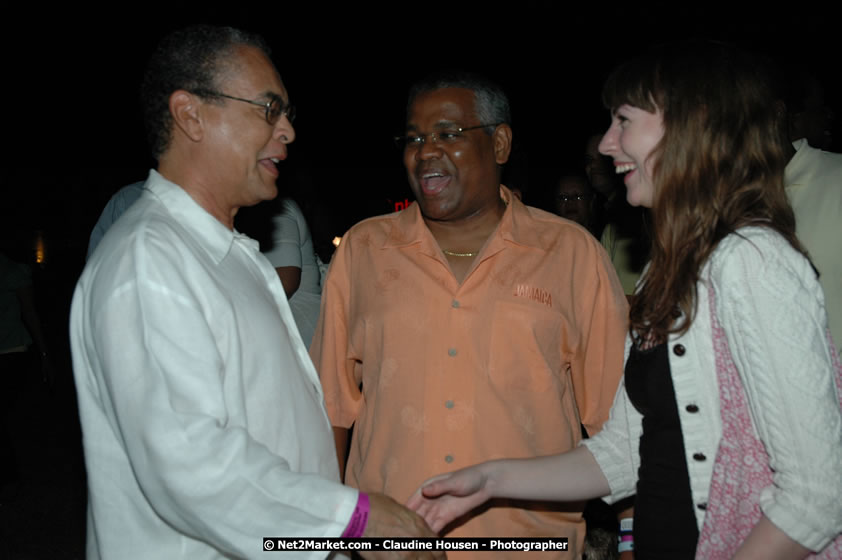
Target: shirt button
692,408
455,303
699,457
451,352
448,458
703,506
679,350
448,404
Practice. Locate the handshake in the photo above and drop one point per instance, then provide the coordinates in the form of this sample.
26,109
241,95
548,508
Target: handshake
436,503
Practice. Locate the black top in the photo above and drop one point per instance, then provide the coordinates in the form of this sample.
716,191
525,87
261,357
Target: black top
664,522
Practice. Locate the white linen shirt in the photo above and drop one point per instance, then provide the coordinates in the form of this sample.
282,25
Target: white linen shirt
771,307
203,417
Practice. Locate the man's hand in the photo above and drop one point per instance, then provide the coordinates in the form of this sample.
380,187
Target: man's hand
387,518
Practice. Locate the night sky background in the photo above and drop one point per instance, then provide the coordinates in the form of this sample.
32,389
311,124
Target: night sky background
72,76
74,136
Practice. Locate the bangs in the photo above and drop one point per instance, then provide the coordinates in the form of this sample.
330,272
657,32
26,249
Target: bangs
634,83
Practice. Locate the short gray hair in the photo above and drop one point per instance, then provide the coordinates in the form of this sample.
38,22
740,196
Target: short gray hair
490,102
190,59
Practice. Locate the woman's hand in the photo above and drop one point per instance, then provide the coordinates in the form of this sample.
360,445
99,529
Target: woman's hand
574,475
446,497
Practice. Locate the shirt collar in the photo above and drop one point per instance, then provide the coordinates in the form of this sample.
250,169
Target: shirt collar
517,225
207,231
798,166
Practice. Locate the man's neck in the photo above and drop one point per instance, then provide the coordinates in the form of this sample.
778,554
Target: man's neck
469,234
199,190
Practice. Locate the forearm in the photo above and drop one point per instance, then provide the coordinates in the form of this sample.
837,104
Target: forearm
290,278
625,520
570,476
767,542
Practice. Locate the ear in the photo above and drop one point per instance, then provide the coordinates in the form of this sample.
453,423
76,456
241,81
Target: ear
502,143
186,111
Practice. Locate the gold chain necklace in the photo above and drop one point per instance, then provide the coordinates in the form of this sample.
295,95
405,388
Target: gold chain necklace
455,254
472,253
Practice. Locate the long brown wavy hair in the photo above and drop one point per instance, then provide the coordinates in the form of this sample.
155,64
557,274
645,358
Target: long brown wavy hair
718,167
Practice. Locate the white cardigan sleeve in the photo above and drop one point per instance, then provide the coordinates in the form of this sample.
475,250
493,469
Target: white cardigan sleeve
616,446
771,308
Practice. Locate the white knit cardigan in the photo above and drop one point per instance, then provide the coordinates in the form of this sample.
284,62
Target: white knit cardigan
771,308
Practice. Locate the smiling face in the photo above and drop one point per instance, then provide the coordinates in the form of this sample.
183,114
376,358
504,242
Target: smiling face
456,176
630,140
244,149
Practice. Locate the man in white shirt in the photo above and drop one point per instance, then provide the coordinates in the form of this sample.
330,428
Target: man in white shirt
203,418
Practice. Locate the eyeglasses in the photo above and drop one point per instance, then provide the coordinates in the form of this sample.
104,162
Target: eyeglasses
274,108
570,197
446,136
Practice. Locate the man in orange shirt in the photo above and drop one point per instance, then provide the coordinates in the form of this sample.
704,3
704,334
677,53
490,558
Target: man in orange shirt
467,327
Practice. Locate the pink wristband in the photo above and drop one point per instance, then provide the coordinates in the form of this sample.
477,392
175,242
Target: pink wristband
356,527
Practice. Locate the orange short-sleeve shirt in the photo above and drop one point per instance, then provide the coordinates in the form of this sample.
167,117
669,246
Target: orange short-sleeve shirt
436,375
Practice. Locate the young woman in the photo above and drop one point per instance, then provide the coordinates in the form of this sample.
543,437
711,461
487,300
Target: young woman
727,425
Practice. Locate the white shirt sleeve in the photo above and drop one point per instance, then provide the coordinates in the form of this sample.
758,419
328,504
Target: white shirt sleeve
287,236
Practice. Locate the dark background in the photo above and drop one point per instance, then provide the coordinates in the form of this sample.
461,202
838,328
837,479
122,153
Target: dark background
71,82
73,137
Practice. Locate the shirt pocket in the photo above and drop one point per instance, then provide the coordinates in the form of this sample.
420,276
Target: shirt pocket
526,347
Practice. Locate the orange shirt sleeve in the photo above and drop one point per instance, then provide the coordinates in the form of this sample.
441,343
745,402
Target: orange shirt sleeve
602,314
330,349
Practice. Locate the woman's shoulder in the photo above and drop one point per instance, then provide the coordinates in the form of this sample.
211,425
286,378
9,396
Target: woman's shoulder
755,244
758,255
759,238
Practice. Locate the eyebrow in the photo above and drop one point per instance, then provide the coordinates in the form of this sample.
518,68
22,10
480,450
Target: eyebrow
441,125
271,96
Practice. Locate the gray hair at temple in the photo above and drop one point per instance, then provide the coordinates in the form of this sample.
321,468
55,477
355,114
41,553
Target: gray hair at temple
490,102
189,59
